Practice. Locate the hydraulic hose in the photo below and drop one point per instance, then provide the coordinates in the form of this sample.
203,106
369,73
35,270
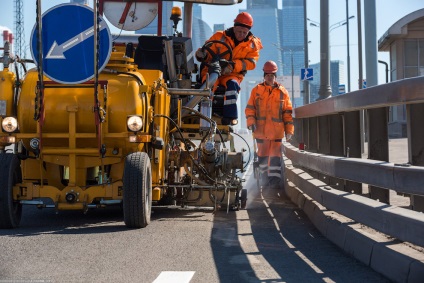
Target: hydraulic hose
209,120
248,147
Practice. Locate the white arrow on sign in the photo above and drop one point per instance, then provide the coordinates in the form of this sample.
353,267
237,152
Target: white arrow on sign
57,51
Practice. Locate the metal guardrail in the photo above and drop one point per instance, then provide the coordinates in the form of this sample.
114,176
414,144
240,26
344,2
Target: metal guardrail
407,91
402,178
336,126
332,131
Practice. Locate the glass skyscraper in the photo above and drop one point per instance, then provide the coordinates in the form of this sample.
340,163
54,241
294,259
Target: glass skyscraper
292,38
282,34
266,26
201,30
336,78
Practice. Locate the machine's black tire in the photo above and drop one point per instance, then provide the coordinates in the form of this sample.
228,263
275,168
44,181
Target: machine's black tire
243,198
137,182
10,174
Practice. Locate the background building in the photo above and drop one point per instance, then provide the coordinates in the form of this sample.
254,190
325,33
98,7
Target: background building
166,22
292,38
266,26
336,78
201,30
405,42
218,27
282,34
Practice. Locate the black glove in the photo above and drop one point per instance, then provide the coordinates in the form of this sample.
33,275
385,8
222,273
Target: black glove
252,128
227,67
200,54
214,67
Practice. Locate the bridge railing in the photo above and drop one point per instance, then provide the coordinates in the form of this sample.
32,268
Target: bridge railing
330,169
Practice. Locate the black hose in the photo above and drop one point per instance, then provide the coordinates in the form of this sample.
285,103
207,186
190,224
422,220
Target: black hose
140,82
250,153
209,120
176,126
15,96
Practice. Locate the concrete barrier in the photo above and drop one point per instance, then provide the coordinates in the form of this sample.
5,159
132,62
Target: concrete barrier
396,260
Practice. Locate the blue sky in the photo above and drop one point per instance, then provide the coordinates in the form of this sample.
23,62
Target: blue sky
388,12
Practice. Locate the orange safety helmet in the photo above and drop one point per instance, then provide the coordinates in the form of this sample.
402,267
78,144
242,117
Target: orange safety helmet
244,19
270,67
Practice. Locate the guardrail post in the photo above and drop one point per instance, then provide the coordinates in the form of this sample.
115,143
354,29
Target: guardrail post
352,136
324,142
298,131
378,146
305,133
415,116
323,135
336,144
313,134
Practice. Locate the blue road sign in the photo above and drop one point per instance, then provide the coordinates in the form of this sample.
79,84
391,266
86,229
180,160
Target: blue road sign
306,74
342,89
68,43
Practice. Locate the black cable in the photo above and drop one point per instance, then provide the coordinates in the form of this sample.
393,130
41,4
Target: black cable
207,119
176,126
15,96
202,169
250,153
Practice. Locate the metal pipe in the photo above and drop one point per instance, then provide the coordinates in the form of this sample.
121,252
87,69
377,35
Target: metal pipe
348,53
360,78
359,12
370,42
324,88
387,69
188,19
305,43
160,11
195,100
170,62
194,92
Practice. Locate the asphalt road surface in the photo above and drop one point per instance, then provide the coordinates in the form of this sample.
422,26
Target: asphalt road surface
271,241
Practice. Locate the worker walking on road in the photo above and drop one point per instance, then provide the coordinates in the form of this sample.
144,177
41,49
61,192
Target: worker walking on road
245,49
269,116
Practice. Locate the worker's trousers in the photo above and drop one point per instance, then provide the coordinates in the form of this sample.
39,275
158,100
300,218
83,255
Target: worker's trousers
269,157
230,99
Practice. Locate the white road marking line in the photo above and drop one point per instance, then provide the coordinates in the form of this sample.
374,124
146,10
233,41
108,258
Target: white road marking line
174,277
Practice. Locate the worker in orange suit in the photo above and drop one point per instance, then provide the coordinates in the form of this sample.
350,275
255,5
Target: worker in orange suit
269,116
245,49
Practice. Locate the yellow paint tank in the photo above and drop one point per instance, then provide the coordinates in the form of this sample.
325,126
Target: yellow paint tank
7,80
123,97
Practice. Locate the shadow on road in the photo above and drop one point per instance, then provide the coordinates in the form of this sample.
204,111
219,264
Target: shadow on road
274,241
47,221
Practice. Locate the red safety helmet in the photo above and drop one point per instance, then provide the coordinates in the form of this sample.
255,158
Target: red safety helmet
244,19
270,67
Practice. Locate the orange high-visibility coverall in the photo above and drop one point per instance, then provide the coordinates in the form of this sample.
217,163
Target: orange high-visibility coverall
245,56
270,109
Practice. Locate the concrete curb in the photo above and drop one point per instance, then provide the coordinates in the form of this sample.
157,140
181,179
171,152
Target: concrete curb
395,260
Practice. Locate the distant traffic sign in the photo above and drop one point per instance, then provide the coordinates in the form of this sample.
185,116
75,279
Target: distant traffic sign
306,74
68,43
342,89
